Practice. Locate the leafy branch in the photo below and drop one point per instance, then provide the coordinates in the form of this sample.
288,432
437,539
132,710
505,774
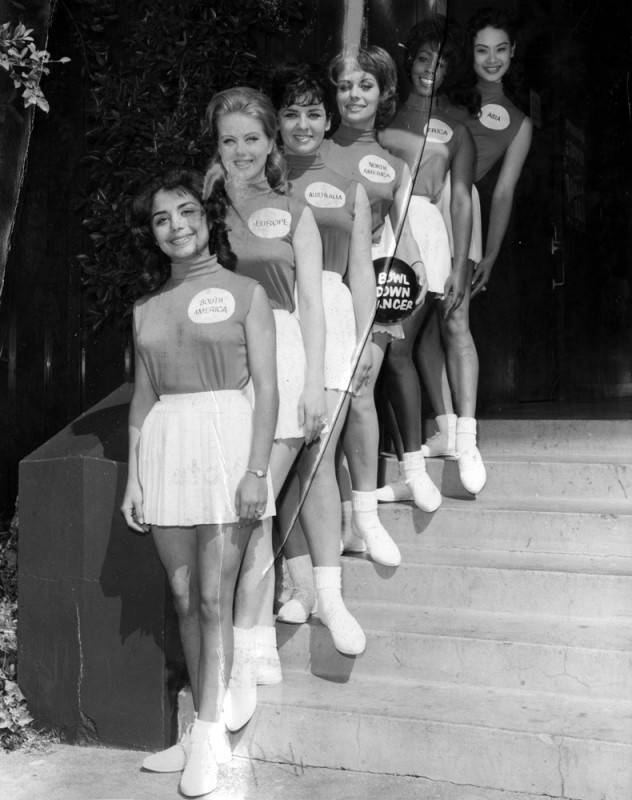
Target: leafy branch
26,65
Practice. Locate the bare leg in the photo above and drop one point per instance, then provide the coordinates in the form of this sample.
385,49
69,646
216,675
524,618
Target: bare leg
431,363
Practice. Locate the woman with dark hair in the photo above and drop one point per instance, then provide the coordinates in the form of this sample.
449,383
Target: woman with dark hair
437,147
366,88
276,241
204,344
343,216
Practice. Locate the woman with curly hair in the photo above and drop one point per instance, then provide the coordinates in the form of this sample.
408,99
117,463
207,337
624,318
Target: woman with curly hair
201,425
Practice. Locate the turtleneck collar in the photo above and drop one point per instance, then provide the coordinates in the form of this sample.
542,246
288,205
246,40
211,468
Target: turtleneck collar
346,135
302,163
237,190
416,103
194,267
490,90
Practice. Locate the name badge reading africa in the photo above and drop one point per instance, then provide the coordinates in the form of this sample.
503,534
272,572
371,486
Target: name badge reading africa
494,117
438,131
376,169
211,305
270,223
323,195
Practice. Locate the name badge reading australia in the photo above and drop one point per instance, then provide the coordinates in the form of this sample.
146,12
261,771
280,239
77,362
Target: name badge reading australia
495,117
438,131
211,305
376,169
270,223
324,195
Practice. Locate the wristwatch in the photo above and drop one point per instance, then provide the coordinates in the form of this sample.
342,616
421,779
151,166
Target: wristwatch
260,473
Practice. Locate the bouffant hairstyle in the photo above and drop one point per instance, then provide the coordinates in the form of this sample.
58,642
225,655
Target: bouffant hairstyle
301,85
489,17
376,61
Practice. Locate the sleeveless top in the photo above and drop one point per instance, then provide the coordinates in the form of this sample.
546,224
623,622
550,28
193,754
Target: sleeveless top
191,332
495,128
405,138
261,225
359,155
331,196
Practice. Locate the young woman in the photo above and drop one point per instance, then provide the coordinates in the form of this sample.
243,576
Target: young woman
275,238
436,146
365,96
501,131
343,216
199,444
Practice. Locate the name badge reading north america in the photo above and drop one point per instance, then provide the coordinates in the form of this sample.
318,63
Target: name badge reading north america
211,305
324,195
438,131
270,223
376,169
495,117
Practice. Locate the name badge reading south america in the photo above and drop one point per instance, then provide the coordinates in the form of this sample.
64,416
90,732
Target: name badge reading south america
495,117
211,305
270,223
438,131
324,195
376,169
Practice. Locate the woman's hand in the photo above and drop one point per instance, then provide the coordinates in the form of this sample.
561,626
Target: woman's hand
481,275
251,497
362,374
132,508
312,412
419,269
453,291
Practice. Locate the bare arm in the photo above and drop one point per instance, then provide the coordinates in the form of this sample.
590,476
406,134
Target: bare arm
362,281
252,492
461,176
308,253
502,202
143,399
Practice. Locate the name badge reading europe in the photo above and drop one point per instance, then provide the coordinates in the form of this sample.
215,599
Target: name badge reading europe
270,223
211,305
376,169
324,195
438,131
495,117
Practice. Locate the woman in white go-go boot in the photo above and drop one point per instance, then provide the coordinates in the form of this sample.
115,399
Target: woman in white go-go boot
201,423
366,88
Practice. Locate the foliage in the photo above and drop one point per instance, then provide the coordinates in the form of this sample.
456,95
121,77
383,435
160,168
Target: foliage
14,715
26,65
148,95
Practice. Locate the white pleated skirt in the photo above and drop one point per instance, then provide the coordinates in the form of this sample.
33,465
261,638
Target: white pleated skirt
290,355
194,450
429,231
382,249
475,253
340,336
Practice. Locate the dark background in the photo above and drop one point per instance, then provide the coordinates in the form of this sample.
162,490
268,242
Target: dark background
556,323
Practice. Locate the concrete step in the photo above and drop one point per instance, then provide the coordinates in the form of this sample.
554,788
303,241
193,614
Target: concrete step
527,477
585,657
498,585
599,438
516,741
535,525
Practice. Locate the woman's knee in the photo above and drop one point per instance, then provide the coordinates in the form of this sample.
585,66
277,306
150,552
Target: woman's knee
185,595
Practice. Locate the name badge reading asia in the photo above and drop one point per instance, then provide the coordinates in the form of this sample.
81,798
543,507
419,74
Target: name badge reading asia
376,169
438,131
397,289
211,305
324,195
270,223
495,117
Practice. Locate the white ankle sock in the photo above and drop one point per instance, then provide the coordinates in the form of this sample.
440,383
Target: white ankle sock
347,634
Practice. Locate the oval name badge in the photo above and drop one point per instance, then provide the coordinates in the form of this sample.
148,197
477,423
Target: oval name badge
438,131
211,305
495,117
376,169
324,195
270,223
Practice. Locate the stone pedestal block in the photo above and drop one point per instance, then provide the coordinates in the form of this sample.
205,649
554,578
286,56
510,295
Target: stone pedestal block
99,655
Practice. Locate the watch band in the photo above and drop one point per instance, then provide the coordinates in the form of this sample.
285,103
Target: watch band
260,473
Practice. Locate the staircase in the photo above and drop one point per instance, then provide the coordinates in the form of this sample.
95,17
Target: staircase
499,655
